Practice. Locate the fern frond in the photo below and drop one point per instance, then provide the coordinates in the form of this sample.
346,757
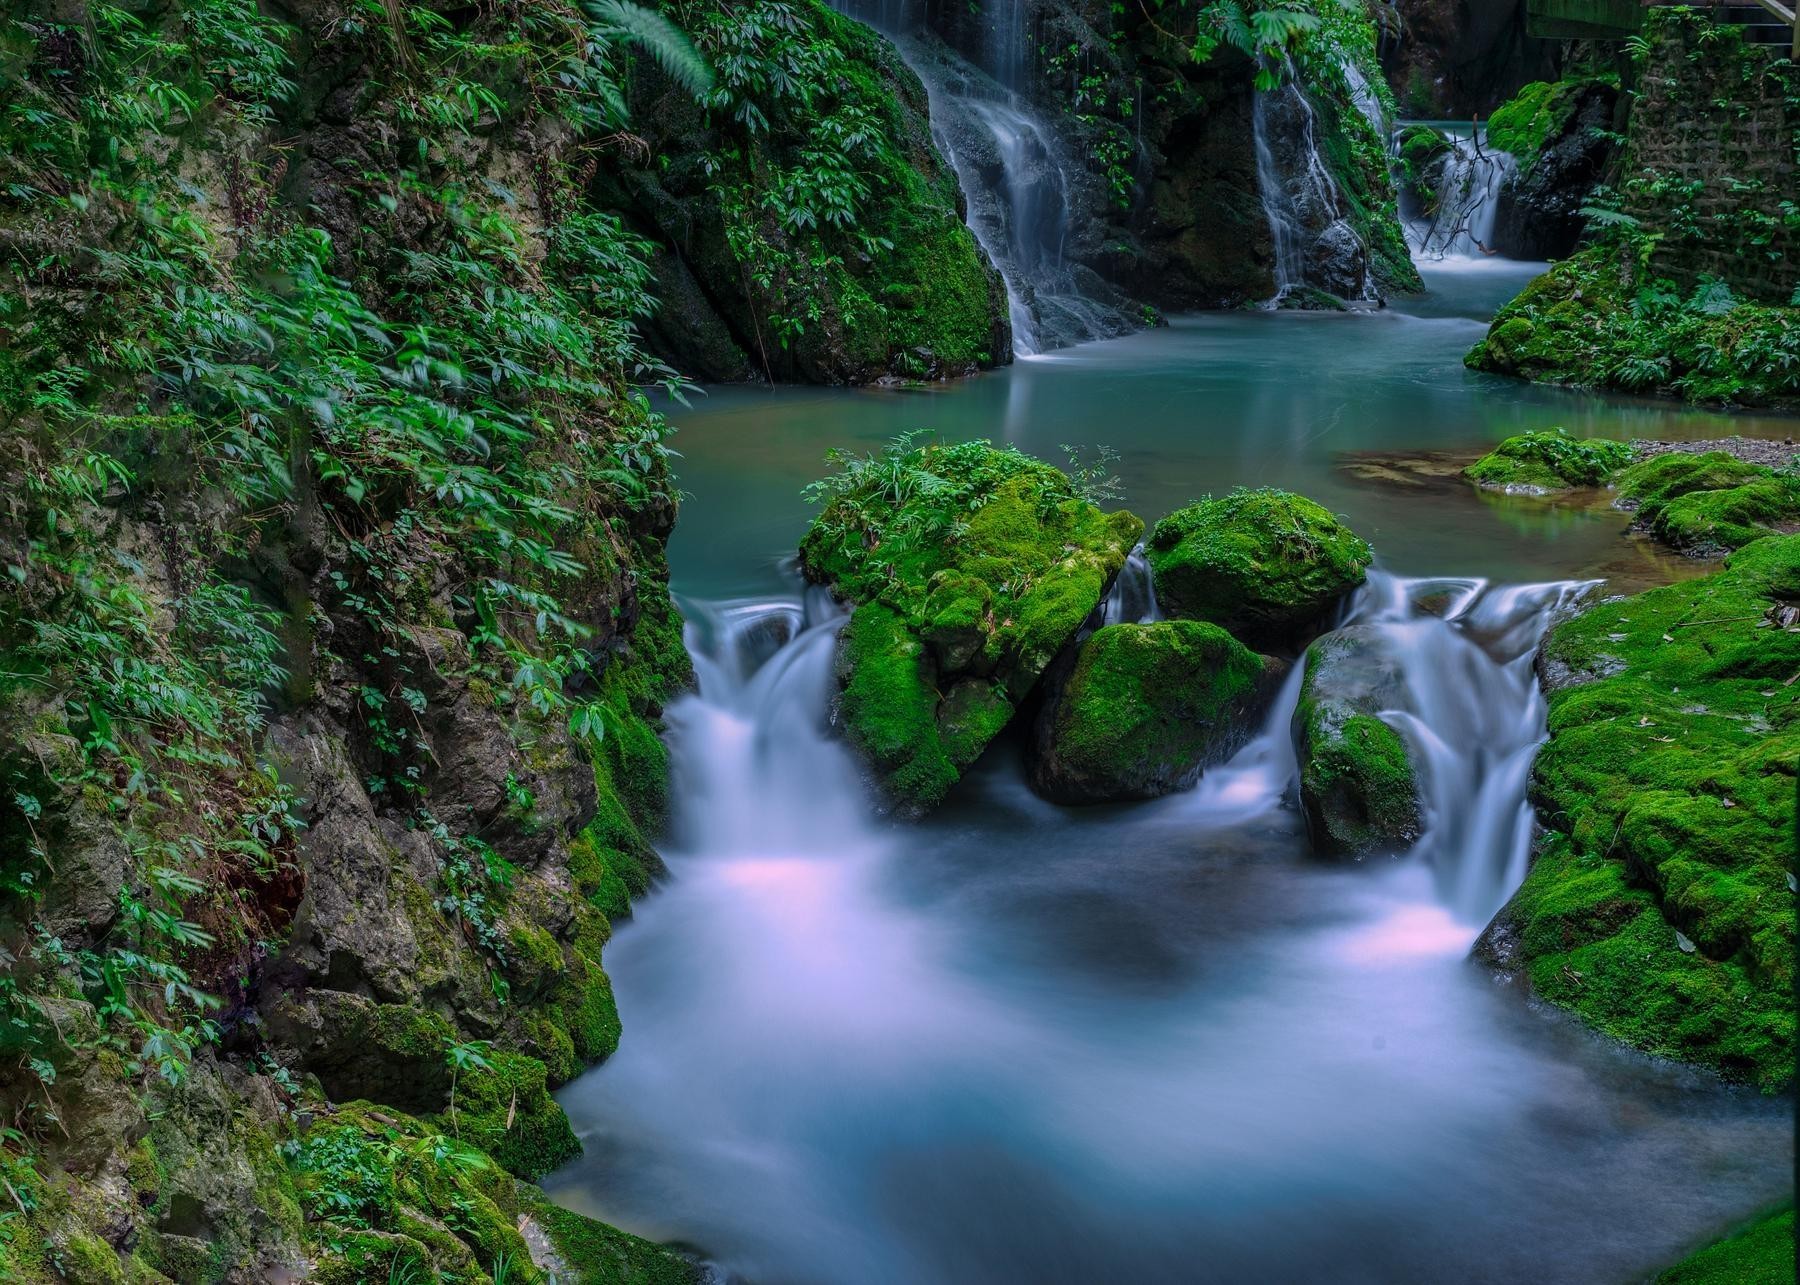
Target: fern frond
657,36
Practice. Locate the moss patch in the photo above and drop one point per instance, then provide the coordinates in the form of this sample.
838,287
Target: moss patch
1358,787
1144,708
1526,123
1661,908
971,567
506,1110
596,1254
1761,1254
1265,565
1551,461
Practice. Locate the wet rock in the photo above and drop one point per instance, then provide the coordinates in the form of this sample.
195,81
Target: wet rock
1359,788
1539,212
1145,708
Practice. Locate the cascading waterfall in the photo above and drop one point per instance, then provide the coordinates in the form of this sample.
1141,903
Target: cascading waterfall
1012,169
1132,599
1466,182
1315,245
1471,713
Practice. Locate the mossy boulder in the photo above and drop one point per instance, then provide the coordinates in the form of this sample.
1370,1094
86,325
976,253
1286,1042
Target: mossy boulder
1144,709
969,568
1710,503
1660,907
505,1108
1268,566
1551,461
583,1251
1359,788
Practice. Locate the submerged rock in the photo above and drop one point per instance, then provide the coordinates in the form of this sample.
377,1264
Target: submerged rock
1359,787
1145,708
1667,789
970,567
1266,565
1552,461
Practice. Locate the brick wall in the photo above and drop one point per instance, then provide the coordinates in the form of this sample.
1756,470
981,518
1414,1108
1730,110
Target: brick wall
1713,152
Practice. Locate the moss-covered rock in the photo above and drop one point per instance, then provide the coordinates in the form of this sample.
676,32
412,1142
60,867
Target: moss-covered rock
1266,565
1710,503
1144,709
1549,461
506,1110
1598,319
1760,1254
584,1251
1661,907
1359,788
970,567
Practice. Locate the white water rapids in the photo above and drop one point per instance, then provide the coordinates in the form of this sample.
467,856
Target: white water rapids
1160,1043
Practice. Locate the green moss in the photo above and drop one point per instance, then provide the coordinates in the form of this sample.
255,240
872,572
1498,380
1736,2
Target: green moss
1421,148
1266,565
1669,781
1650,484
1717,521
1598,319
1550,461
601,1255
1540,112
1144,708
971,567
506,1110
1760,1254
1357,784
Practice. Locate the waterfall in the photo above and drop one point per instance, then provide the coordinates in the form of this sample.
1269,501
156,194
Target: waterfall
760,770
1015,175
1315,245
1467,181
1363,95
1472,715
1132,600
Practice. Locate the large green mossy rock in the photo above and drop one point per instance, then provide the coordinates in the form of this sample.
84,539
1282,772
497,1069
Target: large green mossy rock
969,567
1660,907
1144,709
1359,788
1551,461
1266,565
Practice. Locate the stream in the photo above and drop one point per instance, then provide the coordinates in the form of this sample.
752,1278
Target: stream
1151,1043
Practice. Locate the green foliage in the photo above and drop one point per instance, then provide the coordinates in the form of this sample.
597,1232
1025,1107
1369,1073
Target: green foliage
1549,461
1599,319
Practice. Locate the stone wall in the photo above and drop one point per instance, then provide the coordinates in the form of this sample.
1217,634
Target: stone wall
1714,151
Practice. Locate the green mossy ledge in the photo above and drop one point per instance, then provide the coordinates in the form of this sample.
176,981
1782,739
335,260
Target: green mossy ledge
1537,463
1359,788
1599,320
969,567
1709,504
1145,708
1266,565
1660,906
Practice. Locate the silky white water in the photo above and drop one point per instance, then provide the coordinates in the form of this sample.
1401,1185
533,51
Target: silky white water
1153,1043
1467,181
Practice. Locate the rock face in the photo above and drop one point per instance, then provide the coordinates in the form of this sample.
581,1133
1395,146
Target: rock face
965,588
1145,707
1452,59
1268,566
1660,905
1565,146
1359,788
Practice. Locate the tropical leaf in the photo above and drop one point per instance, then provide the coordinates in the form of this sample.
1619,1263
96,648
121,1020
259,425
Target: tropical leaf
657,36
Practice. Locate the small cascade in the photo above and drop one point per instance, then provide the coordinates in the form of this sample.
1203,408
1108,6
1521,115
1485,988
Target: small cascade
1363,95
1465,182
1132,600
1471,712
760,770
1315,245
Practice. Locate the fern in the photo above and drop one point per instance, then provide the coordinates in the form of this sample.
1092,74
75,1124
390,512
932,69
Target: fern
658,37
